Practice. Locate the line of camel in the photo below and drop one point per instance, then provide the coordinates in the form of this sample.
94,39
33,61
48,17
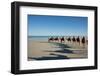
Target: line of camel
73,39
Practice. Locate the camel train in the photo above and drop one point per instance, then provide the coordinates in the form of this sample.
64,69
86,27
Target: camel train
73,39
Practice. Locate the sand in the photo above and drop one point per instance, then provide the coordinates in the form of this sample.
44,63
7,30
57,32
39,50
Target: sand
42,50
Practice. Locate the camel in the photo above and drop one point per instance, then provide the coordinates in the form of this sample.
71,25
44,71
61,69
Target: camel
62,39
50,39
56,39
73,39
78,40
69,39
83,41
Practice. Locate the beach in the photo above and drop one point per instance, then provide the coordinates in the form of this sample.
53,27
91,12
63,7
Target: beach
44,50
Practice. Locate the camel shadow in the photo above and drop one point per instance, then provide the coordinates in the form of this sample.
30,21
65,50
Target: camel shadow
60,45
54,55
50,58
63,48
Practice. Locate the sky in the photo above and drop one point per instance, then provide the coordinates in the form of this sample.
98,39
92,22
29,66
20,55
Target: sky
46,25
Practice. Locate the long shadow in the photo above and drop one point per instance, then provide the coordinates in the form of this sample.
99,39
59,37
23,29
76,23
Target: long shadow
56,56
61,45
65,51
63,48
61,51
50,58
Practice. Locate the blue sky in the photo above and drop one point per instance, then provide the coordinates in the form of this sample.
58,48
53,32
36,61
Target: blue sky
46,25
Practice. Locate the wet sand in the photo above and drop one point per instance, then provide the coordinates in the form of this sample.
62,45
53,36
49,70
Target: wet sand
42,50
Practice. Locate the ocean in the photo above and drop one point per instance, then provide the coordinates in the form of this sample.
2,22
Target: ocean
38,38
45,38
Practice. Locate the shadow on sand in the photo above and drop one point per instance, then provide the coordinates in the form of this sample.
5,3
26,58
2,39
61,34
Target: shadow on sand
56,56
50,58
63,48
61,45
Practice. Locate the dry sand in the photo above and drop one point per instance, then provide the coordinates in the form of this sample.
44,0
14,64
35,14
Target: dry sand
55,50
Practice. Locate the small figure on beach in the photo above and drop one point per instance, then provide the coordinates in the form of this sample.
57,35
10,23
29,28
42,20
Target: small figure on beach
50,39
62,39
73,39
56,39
83,41
78,40
69,39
